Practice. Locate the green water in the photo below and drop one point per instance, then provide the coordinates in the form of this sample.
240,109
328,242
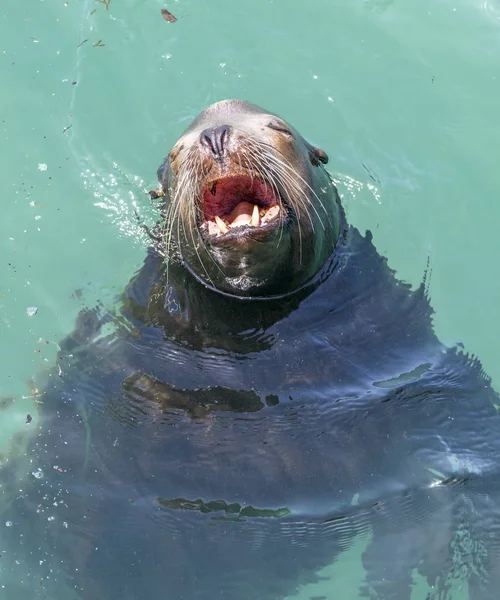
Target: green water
404,97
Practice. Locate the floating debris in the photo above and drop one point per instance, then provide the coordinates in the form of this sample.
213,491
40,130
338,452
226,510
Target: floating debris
105,2
81,43
168,16
99,43
31,311
66,128
29,418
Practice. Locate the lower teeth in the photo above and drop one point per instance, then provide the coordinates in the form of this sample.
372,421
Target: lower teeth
223,228
255,220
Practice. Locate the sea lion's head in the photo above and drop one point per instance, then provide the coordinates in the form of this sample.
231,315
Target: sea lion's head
249,205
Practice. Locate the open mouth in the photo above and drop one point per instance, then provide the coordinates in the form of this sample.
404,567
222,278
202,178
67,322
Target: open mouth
237,205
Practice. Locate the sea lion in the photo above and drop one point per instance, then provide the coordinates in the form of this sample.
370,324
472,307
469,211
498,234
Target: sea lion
267,392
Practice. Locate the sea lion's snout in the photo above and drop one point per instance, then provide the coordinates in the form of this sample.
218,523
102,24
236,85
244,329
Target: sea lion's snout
236,196
215,140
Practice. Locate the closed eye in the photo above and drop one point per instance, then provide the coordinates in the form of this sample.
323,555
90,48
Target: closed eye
278,126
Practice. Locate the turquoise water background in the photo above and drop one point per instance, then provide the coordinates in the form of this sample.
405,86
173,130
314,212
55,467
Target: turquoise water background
404,97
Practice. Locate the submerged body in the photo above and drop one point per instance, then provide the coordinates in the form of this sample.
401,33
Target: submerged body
272,394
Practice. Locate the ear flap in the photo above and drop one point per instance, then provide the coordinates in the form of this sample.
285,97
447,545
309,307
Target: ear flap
316,155
321,155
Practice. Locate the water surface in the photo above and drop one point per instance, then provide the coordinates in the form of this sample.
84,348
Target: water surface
403,97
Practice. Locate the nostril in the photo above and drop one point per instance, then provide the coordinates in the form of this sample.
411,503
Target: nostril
222,136
216,140
206,139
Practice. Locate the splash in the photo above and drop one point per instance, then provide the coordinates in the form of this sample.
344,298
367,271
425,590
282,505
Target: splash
118,194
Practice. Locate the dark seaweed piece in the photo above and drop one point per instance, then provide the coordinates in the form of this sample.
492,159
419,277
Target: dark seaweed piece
105,2
29,418
168,16
148,231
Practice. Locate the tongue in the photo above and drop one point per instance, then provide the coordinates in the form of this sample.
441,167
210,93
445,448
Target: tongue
240,215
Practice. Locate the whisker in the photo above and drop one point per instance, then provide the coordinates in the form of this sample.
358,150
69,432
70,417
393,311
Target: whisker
285,164
297,197
268,176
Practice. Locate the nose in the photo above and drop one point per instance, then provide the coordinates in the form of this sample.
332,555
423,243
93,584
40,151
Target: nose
216,140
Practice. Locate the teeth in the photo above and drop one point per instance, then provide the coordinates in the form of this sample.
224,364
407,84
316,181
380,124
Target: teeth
255,221
270,214
223,228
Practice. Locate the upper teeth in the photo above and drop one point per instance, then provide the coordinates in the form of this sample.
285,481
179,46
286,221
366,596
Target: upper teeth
255,220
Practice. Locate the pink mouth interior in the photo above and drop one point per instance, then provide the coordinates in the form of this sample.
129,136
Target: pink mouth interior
236,202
